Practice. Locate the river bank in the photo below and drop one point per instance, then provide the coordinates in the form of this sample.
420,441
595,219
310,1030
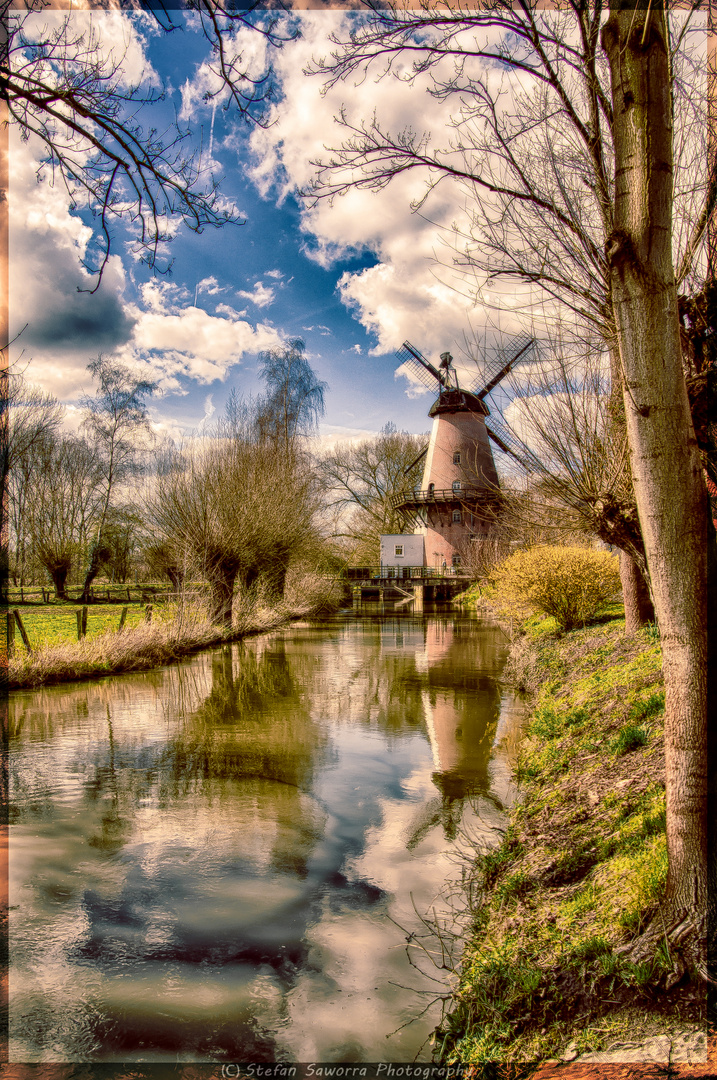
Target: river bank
582,866
174,632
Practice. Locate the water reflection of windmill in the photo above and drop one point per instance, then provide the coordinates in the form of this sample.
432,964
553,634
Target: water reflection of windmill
460,483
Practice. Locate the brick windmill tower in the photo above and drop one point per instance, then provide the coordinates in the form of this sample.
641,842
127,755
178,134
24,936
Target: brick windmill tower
460,483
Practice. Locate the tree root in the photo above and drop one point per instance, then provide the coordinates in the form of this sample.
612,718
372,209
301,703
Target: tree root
686,940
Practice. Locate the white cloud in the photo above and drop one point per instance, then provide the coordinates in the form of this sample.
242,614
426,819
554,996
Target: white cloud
406,294
261,295
193,344
119,38
332,434
229,311
207,88
61,329
210,285
276,274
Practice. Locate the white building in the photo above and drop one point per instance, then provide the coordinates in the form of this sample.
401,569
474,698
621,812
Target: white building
402,549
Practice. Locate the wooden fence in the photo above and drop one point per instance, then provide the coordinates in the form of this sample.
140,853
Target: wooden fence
39,594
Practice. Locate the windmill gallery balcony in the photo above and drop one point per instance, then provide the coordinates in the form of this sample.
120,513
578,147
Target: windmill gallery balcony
464,493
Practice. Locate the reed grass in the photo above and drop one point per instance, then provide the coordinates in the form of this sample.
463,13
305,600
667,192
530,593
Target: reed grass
175,631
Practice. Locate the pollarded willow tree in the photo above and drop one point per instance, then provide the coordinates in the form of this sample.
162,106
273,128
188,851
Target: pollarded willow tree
241,504
239,510
583,145
529,142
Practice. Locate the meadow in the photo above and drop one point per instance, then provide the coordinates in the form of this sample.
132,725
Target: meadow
56,623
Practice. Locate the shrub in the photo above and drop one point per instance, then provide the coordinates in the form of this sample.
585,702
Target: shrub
570,583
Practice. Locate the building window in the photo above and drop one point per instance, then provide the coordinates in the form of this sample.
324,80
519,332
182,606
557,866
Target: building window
456,515
456,485
456,560
398,549
457,458
431,488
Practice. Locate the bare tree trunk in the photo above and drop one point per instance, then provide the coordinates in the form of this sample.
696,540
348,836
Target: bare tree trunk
59,579
176,577
93,569
222,578
669,486
639,609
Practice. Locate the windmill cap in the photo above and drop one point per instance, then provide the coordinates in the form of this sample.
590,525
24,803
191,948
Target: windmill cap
446,359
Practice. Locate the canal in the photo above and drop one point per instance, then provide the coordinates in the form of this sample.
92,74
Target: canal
221,860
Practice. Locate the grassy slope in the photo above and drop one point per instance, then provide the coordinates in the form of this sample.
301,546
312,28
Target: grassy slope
582,866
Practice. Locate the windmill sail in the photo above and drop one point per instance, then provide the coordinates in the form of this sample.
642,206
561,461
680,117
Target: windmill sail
493,381
421,369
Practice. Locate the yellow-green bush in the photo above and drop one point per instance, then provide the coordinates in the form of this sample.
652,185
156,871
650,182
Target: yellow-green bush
569,583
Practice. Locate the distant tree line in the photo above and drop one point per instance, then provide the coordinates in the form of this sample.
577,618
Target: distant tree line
236,507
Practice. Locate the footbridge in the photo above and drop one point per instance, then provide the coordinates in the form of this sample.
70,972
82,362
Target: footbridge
404,584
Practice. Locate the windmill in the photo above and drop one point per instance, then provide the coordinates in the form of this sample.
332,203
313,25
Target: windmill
460,482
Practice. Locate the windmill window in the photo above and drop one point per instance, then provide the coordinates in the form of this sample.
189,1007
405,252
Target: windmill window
431,488
456,485
456,515
398,549
457,458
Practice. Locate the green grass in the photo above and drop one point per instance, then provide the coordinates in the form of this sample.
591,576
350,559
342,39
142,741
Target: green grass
629,738
583,866
56,624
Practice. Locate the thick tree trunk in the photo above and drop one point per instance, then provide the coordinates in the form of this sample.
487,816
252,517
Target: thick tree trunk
639,610
93,569
176,577
669,487
222,585
59,580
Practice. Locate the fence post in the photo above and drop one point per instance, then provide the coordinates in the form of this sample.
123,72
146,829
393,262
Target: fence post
129,598
123,616
21,628
10,632
148,613
84,621
78,613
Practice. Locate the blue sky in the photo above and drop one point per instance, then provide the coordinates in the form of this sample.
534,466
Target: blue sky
353,279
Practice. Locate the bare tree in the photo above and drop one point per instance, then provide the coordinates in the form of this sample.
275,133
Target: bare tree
242,502
242,510
65,86
560,429
27,417
669,486
115,419
529,143
293,402
65,493
361,480
591,178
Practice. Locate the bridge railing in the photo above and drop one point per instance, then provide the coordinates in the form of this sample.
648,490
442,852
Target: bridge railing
398,573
